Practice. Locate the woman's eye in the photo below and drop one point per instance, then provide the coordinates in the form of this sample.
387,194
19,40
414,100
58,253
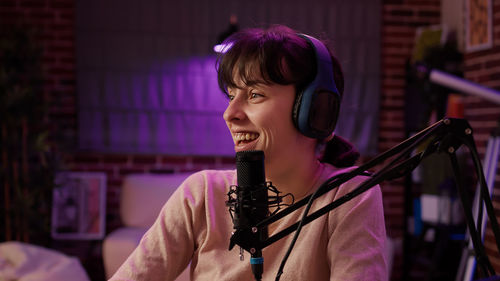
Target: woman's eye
255,95
231,97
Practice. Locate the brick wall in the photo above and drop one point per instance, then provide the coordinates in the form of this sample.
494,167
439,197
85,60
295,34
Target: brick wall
484,67
400,20
53,22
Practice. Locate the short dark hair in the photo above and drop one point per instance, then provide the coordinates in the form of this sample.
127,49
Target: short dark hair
276,55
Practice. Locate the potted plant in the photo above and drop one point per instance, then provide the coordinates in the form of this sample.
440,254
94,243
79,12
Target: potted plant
27,164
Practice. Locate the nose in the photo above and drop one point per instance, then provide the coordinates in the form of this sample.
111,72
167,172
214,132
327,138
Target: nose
235,110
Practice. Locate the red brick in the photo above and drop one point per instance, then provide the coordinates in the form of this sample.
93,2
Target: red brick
115,183
393,2
492,63
209,160
186,170
67,14
40,17
227,160
404,12
62,4
57,27
144,159
58,49
436,3
481,53
67,60
32,4
8,4
60,112
175,160
65,36
396,52
115,159
61,70
429,14
86,158
161,171
67,84
8,17
473,67
399,34
134,170
48,60
96,168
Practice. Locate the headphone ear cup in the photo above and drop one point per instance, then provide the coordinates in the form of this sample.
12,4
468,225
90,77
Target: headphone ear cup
323,113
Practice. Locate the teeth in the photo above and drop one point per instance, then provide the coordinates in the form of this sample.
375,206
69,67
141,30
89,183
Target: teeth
245,136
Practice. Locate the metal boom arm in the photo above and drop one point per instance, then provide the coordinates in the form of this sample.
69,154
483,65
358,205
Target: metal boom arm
446,135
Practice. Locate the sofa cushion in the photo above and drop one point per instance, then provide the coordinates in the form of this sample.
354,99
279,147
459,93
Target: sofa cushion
143,196
24,262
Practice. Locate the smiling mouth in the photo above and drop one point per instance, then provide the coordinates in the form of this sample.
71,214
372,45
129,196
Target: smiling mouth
242,138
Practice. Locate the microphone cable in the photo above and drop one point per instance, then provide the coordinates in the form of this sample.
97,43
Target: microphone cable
328,182
299,227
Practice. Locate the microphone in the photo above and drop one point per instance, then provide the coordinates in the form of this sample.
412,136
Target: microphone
252,201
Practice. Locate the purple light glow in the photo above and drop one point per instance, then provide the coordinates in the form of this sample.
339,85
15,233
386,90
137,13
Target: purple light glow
172,106
222,48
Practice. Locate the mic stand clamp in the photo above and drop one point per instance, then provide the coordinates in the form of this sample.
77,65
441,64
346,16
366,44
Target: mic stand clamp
249,239
248,236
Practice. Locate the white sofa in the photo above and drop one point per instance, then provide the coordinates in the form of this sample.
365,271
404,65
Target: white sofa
24,262
142,197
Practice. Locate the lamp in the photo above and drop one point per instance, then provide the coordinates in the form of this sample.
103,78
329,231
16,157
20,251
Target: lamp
232,28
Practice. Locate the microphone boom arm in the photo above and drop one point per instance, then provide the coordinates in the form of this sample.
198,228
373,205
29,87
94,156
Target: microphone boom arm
446,135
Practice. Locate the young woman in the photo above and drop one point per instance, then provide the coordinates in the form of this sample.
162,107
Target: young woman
264,74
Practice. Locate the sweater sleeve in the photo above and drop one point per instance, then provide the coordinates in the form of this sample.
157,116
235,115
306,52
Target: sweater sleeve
167,247
357,243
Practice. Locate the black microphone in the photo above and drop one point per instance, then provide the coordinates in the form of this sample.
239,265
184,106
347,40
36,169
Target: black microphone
252,201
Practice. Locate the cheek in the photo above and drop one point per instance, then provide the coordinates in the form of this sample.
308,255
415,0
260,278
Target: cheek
278,129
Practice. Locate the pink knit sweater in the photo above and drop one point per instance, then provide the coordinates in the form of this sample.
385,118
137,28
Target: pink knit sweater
195,226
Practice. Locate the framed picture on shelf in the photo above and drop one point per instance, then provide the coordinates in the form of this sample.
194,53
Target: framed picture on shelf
79,206
478,25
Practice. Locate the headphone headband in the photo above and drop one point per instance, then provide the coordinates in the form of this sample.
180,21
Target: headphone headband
316,108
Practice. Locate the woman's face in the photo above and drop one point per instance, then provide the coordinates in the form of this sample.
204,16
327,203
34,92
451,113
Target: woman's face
259,118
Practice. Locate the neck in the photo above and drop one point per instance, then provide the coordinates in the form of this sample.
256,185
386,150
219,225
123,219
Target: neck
298,178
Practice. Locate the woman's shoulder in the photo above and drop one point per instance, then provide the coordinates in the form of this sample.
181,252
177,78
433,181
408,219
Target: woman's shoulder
213,176
350,184
211,179
336,172
202,185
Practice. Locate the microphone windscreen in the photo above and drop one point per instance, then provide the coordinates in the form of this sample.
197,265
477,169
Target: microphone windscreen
250,168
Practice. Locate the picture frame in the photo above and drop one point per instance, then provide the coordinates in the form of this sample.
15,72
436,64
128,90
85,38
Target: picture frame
79,206
478,25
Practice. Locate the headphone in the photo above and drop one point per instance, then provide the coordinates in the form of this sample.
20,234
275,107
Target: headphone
316,108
